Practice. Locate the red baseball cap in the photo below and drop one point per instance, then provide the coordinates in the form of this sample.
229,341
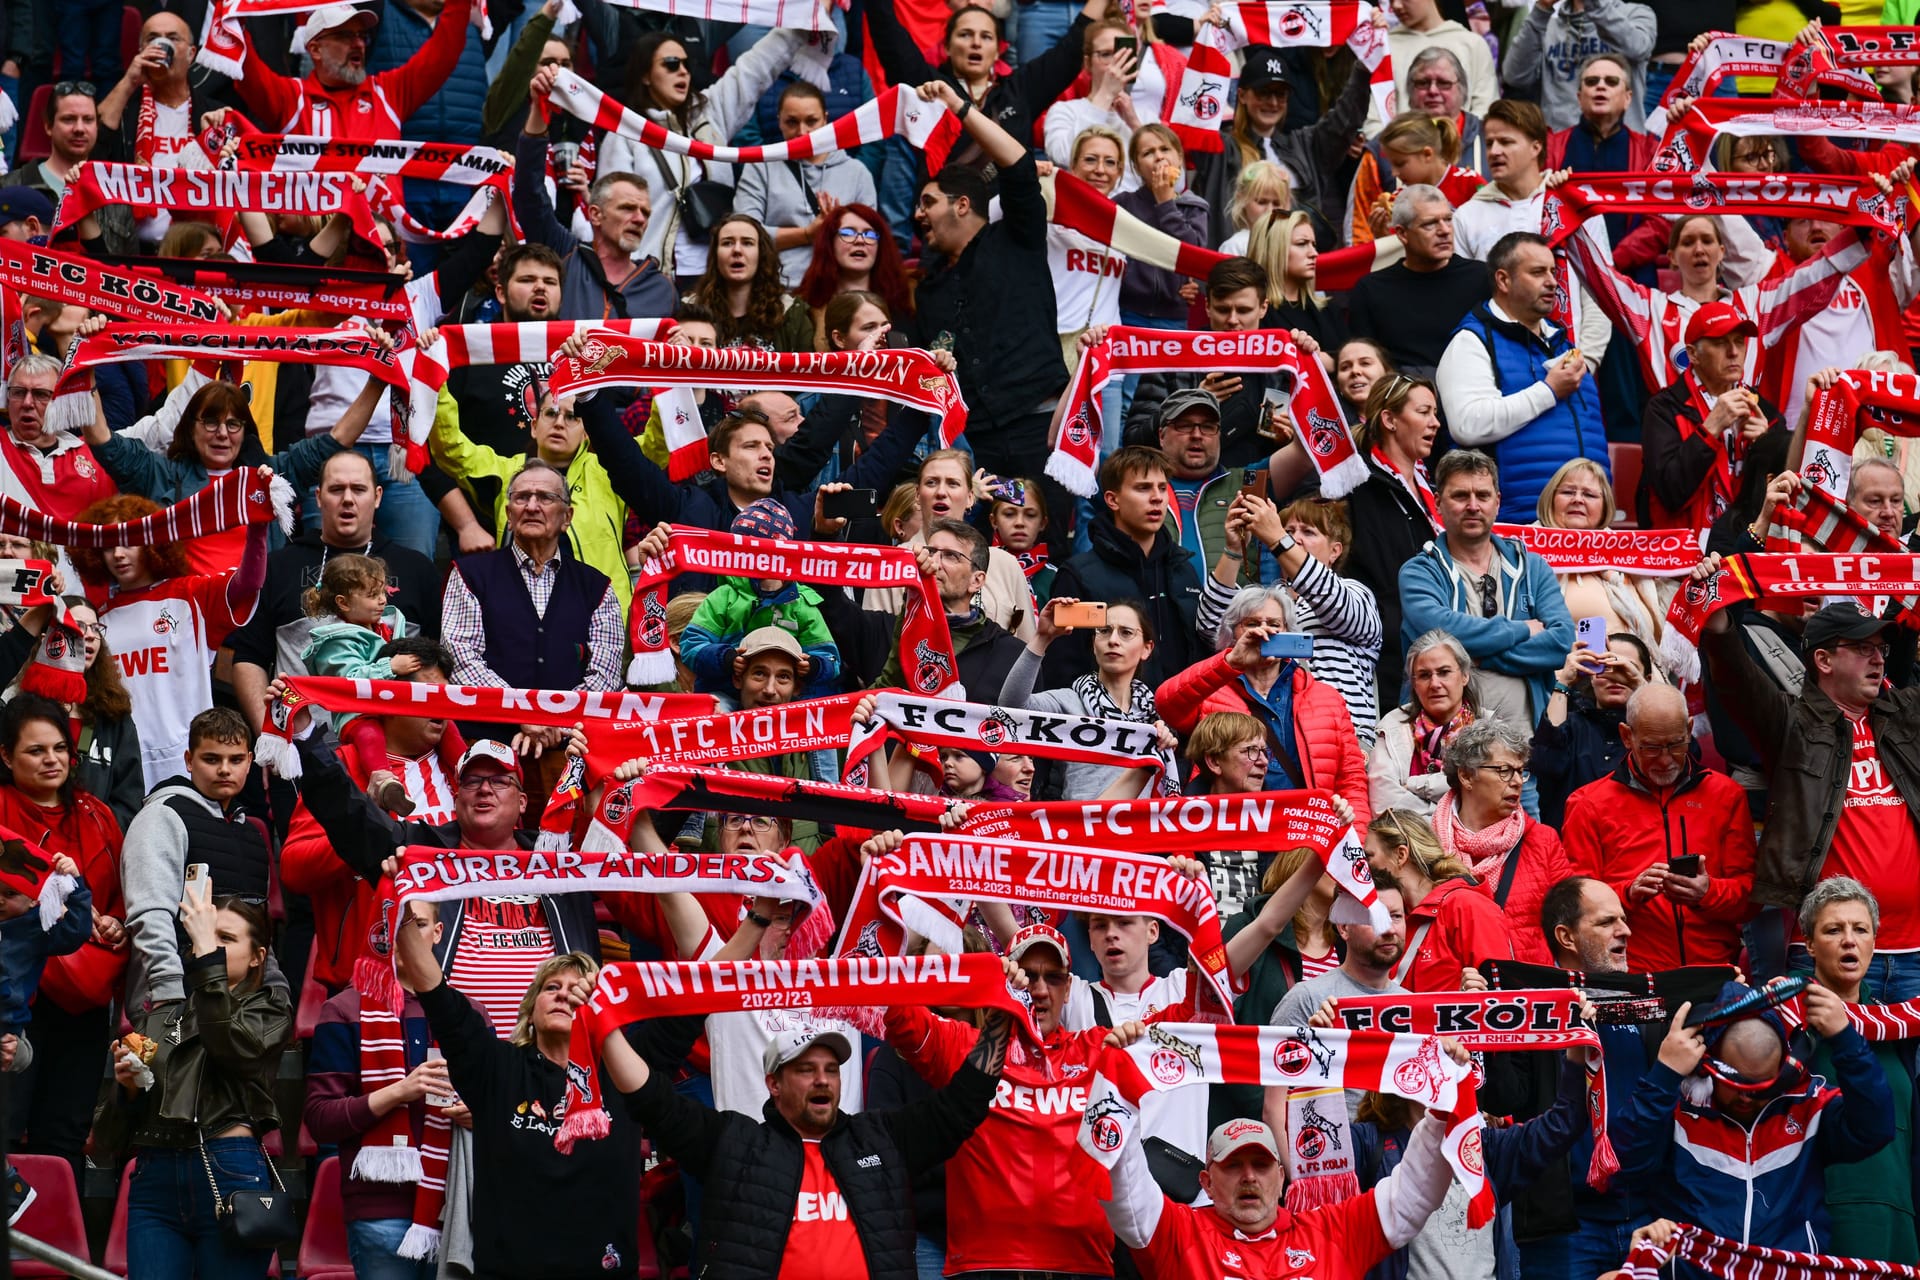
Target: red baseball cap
1719,320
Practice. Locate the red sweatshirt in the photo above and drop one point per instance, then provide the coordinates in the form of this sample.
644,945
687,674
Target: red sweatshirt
371,110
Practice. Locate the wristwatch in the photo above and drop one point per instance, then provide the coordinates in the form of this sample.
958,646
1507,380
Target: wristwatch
765,922
1283,546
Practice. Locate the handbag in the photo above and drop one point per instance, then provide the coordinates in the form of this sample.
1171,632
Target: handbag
253,1219
1176,1172
703,205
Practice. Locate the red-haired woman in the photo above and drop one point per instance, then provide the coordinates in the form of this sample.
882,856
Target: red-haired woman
165,623
853,252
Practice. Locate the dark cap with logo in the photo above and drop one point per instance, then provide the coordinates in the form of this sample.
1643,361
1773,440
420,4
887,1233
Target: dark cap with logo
1262,67
1842,620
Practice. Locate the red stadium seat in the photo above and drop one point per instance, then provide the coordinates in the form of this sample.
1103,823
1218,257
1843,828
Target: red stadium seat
1624,461
313,997
116,1259
130,21
323,1246
54,1216
34,143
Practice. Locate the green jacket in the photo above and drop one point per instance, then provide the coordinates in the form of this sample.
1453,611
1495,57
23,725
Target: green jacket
1216,495
349,650
507,97
732,609
599,516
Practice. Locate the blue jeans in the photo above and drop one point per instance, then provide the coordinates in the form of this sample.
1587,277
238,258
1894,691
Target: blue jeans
406,514
1042,25
1591,1249
374,1246
172,1233
929,1258
89,35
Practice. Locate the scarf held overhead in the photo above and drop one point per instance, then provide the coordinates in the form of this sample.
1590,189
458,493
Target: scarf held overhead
1798,576
40,272
383,163
1732,1260
1646,553
240,497
1687,142
98,183
1889,400
926,645
262,286
973,726
1853,201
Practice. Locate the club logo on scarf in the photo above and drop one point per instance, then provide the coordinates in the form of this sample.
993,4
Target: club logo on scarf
1103,1124
1299,22
1422,1073
1170,1061
1204,101
55,644
869,941
1317,1135
998,728
1470,1153
1077,431
618,804
932,670
380,936
1703,194
1294,1056
1818,473
1701,594
653,623
596,356
610,1260
1324,434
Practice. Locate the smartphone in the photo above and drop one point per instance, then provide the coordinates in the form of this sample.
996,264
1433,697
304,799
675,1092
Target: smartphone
1687,864
200,881
1126,44
440,1099
1013,491
1288,644
1594,631
850,504
1254,488
1081,613
1274,402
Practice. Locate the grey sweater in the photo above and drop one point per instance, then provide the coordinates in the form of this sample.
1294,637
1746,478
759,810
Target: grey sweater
769,193
1550,45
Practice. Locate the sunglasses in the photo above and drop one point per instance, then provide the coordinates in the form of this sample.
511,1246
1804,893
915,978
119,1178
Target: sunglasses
1789,1068
1594,82
66,88
671,63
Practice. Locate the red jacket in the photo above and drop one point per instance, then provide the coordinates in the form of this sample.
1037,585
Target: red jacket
1640,149
1323,731
1543,864
372,110
87,832
1617,827
1454,926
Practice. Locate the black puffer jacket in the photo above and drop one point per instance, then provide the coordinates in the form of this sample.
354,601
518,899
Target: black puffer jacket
751,1172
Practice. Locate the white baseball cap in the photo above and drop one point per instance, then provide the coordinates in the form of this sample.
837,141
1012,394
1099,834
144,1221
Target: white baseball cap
488,749
788,1045
1235,1134
326,19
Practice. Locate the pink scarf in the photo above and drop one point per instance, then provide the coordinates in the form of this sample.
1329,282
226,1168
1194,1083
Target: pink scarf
1484,851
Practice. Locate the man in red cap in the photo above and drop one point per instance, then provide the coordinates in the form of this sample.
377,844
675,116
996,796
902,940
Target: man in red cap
1703,434
338,99
1245,1233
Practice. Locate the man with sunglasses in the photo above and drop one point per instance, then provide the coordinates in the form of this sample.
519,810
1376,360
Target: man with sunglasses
1546,54
1842,778
1738,1135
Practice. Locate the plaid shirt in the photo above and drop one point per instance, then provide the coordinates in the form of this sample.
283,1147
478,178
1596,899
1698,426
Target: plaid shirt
463,628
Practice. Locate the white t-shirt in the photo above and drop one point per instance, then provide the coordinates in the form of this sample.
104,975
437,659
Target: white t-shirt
164,638
737,1045
1178,1115
1086,280
1837,336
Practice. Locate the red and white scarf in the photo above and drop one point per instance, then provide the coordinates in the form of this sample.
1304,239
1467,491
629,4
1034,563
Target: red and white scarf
1815,520
1830,59
974,726
240,497
1797,576
924,885
1833,198
1645,553
386,1150
98,183
349,346
37,271
1890,400
1687,143
27,869
806,15
1174,1055
223,45
926,646
58,667
250,287
1732,1260
1726,54
384,164
1073,204
626,993
458,346
1207,87
1314,407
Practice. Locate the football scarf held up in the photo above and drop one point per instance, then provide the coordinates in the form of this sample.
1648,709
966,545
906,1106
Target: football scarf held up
261,286
98,183
1796,576
1687,143
1732,1260
240,497
1499,1021
919,885
117,290
1646,553
1853,201
1124,349
926,645
384,164
1176,1055
807,15
1889,400
626,993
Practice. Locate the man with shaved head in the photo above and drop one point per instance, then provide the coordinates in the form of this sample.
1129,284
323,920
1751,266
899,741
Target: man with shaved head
1673,839
1729,1131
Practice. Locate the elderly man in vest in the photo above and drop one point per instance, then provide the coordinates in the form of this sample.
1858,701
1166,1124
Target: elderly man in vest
527,616
339,98
1513,383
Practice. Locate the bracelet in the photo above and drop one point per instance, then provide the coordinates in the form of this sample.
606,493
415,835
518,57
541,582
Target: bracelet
1233,555
1561,688
765,922
966,105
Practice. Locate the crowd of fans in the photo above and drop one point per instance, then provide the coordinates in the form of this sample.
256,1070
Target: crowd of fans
1552,786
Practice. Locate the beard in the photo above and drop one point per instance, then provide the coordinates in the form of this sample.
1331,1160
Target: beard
341,72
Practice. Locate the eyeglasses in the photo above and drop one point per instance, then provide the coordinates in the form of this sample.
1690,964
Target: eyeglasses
1868,648
1049,977
1254,753
92,629
34,394
67,88
1185,427
1594,82
223,426
1113,630
748,822
671,64
1664,748
1436,82
1762,157
499,783
538,498
851,234
1505,772
947,555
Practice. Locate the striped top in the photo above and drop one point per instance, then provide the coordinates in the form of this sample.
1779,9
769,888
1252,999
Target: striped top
1344,621
503,942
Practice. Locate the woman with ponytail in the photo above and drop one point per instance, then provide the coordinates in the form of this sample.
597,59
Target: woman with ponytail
1418,149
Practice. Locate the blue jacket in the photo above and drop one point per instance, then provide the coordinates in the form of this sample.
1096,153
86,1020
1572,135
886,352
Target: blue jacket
454,114
1571,429
1767,1185
1515,1155
1433,593
25,946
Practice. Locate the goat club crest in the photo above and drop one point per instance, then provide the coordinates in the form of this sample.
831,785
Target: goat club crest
653,622
1315,1135
597,356
998,728
1296,1054
1324,433
932,670
1103,1123
1422,1073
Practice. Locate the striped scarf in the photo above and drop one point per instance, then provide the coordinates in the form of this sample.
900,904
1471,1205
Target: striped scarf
1100,705
241,497
386,1153
1731,1260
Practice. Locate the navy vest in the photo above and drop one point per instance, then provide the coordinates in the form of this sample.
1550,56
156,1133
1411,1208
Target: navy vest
1571,429
526,650
234,849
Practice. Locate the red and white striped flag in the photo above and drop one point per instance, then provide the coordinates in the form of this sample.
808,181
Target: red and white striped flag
807,15
1200,105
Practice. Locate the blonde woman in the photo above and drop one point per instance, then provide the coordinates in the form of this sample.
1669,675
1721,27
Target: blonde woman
1418,149
1087,274
1285,245
1579,496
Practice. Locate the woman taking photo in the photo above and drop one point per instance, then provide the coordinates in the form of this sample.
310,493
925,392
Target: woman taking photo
1480,823
660,87
52,1101
1451,922
165,623
196,1132
1112,691
854,253
1284,244
1406,768
741,290
106,758
1393,512
1578,738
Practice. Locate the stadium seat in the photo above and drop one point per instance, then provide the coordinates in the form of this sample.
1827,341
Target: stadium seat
54,1216
34,143
312,997
1624,461
323,1246
116,1259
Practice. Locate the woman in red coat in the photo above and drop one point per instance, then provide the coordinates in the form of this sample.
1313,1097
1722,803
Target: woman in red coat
1480,823
1309,732
69,1032
1451,925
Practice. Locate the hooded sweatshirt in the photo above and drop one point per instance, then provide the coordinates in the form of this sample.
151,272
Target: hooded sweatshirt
1550,45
